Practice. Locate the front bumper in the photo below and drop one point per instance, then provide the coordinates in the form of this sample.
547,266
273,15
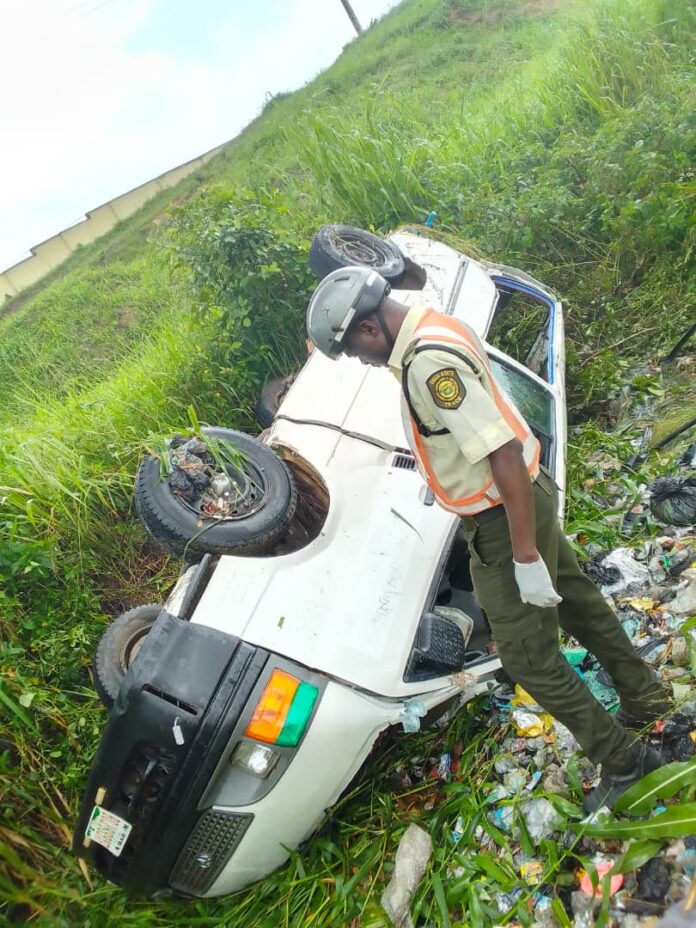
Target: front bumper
201,827
176,711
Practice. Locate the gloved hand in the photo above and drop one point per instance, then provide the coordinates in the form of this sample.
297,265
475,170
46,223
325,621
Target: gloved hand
535,584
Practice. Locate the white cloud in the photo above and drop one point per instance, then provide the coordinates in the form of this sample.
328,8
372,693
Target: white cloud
85,118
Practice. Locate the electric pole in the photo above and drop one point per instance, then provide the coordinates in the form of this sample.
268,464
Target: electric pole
351,16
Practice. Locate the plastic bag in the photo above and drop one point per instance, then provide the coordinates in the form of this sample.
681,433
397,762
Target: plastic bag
673,500
412,858
540,817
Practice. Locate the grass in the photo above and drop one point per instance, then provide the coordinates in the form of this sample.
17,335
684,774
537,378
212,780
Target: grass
555,137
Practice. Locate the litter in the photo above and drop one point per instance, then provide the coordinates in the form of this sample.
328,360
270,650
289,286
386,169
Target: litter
412,858
504,765
444,767
532,872
564,740
540,817
602,867
583,906
673,500
653,881
684,603
632,574
528,724
502,818
530,721
680,915
515,781
554,781
607,695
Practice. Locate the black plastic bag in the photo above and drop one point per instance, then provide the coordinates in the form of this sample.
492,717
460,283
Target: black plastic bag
673,500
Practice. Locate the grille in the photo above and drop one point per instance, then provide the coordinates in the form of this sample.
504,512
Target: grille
403,461
210,845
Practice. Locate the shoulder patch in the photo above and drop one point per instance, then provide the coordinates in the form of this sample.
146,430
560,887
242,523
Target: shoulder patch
446,388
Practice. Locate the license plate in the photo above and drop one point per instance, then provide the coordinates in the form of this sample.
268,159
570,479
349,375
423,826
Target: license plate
107,829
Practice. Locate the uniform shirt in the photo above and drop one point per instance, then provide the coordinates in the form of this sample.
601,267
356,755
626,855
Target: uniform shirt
476,427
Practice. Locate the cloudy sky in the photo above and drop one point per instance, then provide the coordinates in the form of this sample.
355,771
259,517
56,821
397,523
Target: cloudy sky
98,96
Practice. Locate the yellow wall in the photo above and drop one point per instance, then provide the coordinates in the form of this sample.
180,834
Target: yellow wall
49,254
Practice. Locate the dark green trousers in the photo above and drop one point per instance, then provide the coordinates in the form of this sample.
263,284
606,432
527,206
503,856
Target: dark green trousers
527,637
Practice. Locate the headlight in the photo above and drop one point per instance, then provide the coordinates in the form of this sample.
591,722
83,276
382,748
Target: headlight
256,759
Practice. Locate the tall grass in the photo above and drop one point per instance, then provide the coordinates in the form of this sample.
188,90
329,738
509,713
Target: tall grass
76,332
74,464
563,147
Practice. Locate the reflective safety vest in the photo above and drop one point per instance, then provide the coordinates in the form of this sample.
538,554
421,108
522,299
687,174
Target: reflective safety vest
436,330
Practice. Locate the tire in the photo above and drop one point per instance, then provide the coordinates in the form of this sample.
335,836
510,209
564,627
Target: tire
270,398
118,647
340,246
181,528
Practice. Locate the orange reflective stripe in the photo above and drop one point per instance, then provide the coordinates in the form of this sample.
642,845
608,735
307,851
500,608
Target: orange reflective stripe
457,334
505,410
435,484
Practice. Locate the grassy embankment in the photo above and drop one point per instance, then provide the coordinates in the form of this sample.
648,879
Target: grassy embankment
555,139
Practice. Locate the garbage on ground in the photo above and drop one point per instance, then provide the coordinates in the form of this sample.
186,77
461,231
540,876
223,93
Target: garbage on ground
673,500
530,720
540,817
602,868
678,916
684,603
532,872
653,881
537,772
412,858
632,575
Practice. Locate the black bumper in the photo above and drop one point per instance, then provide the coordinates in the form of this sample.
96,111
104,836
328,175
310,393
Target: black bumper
166,733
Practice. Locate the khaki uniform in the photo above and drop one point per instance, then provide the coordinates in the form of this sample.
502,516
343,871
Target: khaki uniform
444,391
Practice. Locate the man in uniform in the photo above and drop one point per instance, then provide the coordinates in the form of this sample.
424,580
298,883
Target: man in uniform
481,460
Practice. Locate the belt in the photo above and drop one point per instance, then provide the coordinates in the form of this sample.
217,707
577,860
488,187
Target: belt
494,512
487,514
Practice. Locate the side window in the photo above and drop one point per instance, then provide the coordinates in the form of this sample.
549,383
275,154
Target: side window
533,401
520,327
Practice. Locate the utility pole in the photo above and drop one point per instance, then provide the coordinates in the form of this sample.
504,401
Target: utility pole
351,16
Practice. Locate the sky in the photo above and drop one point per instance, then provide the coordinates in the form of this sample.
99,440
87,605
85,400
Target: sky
99,96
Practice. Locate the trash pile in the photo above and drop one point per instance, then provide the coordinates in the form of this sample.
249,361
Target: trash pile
531,820
203,480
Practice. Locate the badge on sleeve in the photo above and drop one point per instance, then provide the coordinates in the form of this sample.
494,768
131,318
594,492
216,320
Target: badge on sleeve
446,388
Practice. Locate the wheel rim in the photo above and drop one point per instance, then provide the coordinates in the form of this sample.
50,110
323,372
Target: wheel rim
131,647
251,492
361,252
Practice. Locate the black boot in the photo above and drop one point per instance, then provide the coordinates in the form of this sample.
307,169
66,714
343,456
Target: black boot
613,785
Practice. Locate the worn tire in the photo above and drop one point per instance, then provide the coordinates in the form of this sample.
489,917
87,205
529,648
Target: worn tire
179,528
340,246
116,649
270,398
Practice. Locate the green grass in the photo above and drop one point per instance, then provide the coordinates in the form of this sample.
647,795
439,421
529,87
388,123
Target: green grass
558,137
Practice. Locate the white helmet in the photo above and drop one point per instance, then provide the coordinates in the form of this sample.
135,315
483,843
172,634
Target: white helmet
343,297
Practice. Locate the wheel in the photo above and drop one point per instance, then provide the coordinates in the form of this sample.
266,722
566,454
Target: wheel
339,246
270,398
262,506
118,648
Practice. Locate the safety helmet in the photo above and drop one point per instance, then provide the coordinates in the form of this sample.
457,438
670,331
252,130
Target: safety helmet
343,297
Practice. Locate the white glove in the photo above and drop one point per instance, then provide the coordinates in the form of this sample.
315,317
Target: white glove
535,584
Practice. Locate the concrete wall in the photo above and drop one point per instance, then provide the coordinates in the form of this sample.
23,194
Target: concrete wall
49,254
